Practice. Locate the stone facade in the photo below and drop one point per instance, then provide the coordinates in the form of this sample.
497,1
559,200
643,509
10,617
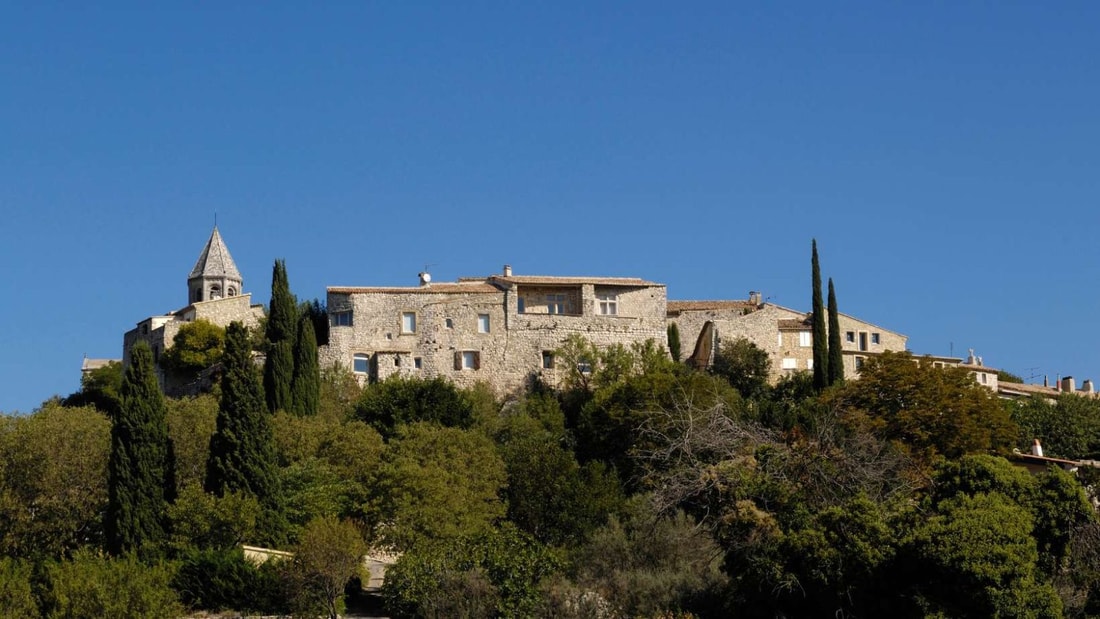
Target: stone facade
783,333
501,330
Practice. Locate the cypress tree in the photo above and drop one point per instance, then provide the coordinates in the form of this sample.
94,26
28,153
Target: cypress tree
674,342
140,471
821,354
242,455
306,387
282,322
836,350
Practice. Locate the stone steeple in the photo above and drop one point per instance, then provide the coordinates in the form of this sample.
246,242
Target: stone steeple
215,275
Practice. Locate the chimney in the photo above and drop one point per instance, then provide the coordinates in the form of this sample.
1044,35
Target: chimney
754,297
1067,384
507,270
1086,386
1046,381
1037,449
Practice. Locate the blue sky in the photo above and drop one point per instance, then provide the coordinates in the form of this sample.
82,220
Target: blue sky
944,155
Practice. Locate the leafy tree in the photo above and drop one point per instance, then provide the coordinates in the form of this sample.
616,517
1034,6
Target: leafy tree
328,555
16,596
820,344
744,365
217,580
926,409
99,388
191,423
674,342
1008,377
141,480
399,400
92,586
495,573
339,392
317,313
207,522
305,390
836,349
242,455
282,323
1069,427
53,480
196,346
439,482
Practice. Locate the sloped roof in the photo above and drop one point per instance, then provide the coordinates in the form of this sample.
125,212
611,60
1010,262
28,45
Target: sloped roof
550,280
440,288
215,261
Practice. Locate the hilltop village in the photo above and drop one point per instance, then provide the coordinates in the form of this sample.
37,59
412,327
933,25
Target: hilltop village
504,329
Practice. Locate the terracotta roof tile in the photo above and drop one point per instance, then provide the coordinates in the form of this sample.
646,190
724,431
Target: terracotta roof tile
551,280
440,288
675,307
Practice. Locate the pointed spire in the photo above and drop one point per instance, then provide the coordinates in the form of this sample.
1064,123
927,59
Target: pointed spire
215,261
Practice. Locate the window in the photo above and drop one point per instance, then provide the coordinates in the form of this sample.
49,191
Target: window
397,362
467,360
859,363
360,363
215,292
609,303
231,291
547,360
450,324
805,339
863,340
790,363
408,322
521,305
418,362
850,336
983,377
779,340
555,304
341,319
482,323
875,338
809,364
584,367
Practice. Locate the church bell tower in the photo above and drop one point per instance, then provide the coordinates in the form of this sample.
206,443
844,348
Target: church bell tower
215,275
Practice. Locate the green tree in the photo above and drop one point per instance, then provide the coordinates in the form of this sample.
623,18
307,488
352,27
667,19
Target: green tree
439,482
926,409
744,365
399,400
328,555
91,586
242,454
16,596
820,342
282,322
196,346
305,390
1069,427
207,522
217,580
191,423
836,349
674,342
494,573
53,480
99,388
140,479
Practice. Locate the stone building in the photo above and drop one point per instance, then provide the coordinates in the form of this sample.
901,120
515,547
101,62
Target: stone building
502,329
785,334
214,293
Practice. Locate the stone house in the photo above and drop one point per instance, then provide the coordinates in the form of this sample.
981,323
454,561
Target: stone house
214,293
785,334
501,330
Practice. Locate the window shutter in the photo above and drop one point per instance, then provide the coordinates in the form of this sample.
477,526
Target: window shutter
477,360
458,360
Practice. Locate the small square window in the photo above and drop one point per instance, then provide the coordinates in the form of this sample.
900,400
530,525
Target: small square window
790,363
341,319
471,360
609,303
418,362
850,336
482,323
875,338
450,324
397,362
360,364
547,360
859,363
408,322
805,339
809,364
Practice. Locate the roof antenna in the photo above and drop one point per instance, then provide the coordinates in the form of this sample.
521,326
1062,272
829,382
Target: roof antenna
215,219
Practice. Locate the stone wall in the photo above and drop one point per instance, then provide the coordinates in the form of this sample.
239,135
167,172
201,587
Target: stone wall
450,339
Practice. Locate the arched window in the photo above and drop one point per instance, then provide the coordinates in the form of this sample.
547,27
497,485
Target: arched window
215,292
231,291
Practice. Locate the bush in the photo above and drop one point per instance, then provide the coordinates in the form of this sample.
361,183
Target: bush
16,598
223,580
93,586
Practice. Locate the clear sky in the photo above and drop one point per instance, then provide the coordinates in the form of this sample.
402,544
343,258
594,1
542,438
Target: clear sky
944,154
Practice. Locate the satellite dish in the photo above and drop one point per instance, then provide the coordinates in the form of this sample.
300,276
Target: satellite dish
425,277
